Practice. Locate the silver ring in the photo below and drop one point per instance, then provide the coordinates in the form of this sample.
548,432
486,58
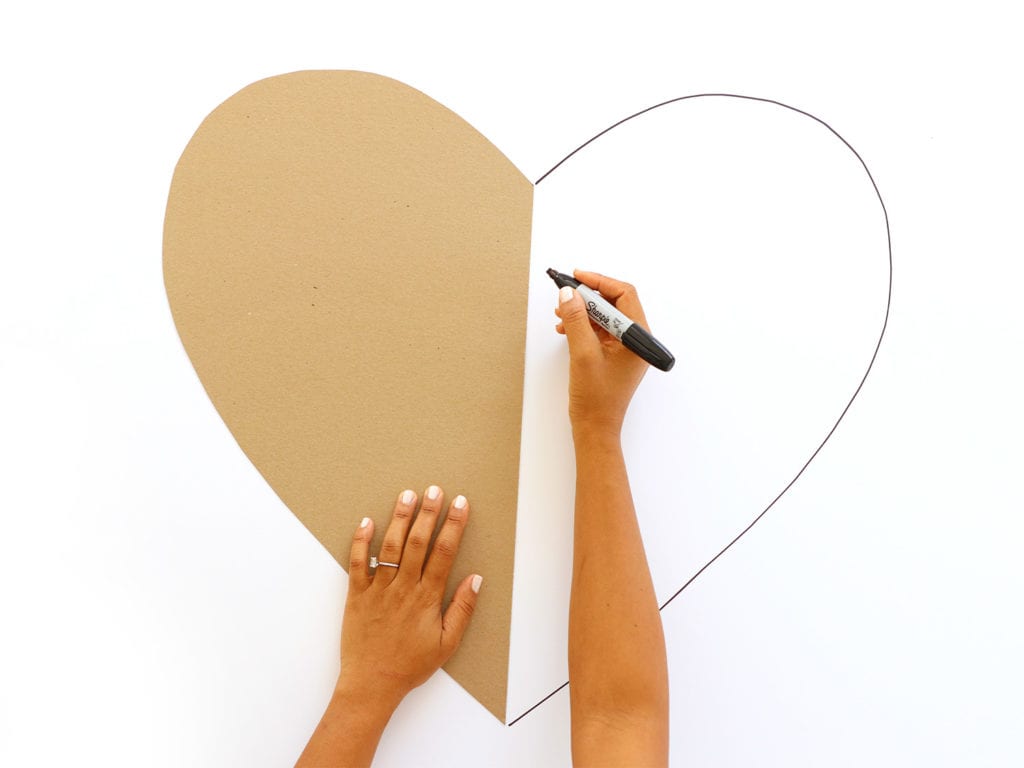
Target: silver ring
374,562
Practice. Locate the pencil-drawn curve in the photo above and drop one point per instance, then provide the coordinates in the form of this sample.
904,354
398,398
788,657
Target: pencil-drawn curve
871,362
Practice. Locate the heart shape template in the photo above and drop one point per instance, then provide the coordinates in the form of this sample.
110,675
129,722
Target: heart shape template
333,246
348,264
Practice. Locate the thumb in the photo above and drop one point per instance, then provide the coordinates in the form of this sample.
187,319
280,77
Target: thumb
460,611
576,321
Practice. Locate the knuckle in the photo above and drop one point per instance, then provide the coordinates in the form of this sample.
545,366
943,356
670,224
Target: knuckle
456,621
427,596
416,540
446,547
457,517
466,608
573,313
403,513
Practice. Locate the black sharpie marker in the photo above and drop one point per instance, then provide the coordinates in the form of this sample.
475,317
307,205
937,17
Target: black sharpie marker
633,337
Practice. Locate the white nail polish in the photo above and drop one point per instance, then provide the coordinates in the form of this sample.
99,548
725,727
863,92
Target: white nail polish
476,582
407,497
366,522
433,492
564,294
460,502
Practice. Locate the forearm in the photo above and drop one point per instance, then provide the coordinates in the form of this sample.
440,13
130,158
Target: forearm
617,661
349,731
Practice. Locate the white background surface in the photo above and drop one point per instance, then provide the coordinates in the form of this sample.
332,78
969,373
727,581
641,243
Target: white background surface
871,618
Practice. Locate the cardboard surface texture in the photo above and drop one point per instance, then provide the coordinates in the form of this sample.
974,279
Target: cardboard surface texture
347,265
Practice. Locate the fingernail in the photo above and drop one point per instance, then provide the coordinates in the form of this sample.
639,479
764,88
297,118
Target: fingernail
477,581
460,502
407,497
564,294
433,492
366,522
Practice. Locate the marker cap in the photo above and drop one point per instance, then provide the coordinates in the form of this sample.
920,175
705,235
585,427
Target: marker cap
647,347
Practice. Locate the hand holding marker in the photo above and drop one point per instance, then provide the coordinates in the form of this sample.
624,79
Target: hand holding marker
632,336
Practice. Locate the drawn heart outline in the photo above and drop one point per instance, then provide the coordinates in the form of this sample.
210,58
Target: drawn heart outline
863,378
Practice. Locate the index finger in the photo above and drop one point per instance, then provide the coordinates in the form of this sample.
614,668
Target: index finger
446,545
622,295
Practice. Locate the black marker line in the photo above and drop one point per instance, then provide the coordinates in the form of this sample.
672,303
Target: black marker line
563,685
871,363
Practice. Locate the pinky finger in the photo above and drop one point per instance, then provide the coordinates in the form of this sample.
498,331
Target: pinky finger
359,558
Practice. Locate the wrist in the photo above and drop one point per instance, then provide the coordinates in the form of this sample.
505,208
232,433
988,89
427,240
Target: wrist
596,433
376,701
350,728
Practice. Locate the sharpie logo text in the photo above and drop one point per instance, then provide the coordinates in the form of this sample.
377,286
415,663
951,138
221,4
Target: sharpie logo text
597,314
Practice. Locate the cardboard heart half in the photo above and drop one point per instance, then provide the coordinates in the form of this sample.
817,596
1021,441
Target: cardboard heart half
346,262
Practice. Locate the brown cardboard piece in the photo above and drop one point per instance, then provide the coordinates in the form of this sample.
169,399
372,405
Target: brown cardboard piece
346,262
